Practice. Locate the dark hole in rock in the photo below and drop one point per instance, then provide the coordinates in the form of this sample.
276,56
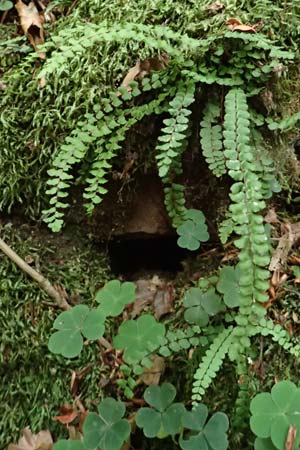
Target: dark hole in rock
132,256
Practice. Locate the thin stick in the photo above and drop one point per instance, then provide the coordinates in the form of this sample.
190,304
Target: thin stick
39,278
43,283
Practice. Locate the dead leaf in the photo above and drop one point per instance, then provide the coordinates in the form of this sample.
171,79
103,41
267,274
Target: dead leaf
163,300
215,7
155,292
42,82
295,317
290,438
40,441
235,25
144,68
68,414
290,237
271,216
153,374
29,259
32,24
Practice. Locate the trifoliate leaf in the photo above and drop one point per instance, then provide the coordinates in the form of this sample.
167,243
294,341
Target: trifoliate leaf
209,436
229,285
114,296
273,413
200,305
135,335
165,417
71,325
192,234
107,430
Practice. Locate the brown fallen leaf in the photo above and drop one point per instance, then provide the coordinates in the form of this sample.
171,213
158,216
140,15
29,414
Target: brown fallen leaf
235,25
68,414
32,24
144,68
290,438
40,441
271,216
163,300
155,292
288,239
153,374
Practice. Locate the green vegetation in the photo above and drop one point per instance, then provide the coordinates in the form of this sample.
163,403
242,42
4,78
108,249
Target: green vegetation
66,121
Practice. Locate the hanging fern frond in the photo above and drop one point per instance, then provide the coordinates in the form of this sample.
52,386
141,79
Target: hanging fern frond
104,131
175,203
247,197
211,139
211,363
172,141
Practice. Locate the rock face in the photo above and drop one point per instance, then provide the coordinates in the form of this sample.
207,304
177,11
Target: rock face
147,214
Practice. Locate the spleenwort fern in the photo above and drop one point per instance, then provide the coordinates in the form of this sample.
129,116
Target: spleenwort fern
211,140
106,129
247,197
211,363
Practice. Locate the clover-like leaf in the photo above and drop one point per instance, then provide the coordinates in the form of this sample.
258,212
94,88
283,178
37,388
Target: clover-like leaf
200,305
106,430
114,296
192,234
5,5
164,418
71,325
65,444
263,444
273,413
228,285
205,436
135,336
195,215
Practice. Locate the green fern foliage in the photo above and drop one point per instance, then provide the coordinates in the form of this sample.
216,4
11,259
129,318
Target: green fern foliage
247,197
211,363
172,141
211,140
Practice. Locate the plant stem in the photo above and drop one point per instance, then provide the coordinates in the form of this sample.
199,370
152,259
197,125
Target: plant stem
36,276
43,283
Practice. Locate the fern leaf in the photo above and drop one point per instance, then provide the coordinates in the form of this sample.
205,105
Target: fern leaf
211,363
211,140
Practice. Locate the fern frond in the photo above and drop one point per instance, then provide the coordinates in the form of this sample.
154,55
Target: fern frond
173,135
211,140
279,335
72,43
226,228
175,203
211,363
247,197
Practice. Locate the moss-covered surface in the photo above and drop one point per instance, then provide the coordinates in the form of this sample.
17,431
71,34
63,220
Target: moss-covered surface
35,121
35,383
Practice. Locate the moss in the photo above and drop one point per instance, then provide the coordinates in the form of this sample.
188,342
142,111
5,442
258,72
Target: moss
35,382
